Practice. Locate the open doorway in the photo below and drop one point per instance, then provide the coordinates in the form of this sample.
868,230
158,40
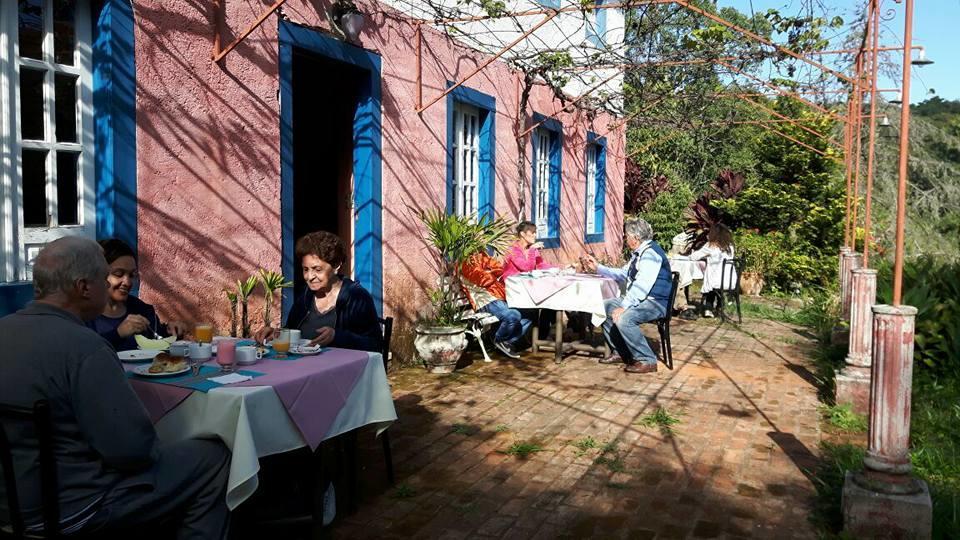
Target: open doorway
326,94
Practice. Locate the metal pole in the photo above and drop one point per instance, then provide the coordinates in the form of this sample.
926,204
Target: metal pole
904,153
873,133
848,156
858,127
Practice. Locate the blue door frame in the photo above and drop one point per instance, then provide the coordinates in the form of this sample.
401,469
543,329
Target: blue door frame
367,157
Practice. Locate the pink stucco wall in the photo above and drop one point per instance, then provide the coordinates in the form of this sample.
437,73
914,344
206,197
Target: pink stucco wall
209,158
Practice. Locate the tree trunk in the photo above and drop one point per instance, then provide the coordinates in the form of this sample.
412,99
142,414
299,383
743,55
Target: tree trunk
244,321
519,127
233,319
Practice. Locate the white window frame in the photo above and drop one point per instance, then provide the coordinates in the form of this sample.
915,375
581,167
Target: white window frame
20,244
466,159
593,151
541,167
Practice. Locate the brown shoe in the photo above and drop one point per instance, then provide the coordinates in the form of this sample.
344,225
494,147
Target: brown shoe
612,359
641,367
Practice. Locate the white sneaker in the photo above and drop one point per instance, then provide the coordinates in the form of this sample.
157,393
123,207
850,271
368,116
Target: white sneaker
707,314
329,505
506,349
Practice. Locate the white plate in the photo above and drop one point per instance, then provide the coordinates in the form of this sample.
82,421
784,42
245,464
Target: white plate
304,350
144,371
138,355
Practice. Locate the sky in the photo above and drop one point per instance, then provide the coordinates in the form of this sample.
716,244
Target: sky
936,25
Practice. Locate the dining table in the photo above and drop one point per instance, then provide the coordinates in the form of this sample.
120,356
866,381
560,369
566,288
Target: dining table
562,292
276,405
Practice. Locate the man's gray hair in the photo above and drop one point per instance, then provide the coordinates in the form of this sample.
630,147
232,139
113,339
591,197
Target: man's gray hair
64,261
639,229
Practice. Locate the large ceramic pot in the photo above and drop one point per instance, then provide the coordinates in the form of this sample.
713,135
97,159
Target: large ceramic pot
440,347
751,283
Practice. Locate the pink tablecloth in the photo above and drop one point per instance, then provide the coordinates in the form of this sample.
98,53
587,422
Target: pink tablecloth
313,389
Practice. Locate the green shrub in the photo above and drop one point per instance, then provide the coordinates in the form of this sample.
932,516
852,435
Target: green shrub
666,213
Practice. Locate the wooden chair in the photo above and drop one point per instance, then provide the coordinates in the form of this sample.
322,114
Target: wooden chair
39,417
731,267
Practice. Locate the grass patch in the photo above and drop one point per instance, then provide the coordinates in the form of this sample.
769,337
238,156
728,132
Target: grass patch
843,417
403,491
662,420
616,485
522,449
501,428
463,429
585,444
614,463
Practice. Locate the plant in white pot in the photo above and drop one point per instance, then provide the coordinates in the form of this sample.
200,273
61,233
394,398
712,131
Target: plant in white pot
440,334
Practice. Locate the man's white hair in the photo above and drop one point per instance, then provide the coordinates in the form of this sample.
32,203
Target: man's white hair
639,229
64,261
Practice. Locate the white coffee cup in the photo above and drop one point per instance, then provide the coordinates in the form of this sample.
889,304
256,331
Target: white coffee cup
247,355
201,351
179,348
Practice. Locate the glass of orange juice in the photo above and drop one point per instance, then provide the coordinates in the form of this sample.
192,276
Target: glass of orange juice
203,332
281,343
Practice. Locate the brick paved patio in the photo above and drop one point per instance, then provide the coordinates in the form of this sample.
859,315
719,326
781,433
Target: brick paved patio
735,465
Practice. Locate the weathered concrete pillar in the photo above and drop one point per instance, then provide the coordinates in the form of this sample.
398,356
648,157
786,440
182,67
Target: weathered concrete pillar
853,381
885,500
853,262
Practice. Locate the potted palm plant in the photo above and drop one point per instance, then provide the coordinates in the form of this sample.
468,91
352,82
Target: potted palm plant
271,282
440,334
244,290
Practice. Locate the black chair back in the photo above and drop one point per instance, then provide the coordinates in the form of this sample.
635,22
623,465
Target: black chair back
674,285
734,265
386,323
39,417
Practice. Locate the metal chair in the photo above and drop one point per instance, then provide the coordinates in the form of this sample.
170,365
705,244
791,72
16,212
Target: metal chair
663,323
730,267
39,417
387,325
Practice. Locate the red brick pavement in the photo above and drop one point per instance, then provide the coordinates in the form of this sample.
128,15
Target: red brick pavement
734,466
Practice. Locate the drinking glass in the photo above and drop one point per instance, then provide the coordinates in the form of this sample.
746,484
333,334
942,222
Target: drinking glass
226,354
203,332
281,343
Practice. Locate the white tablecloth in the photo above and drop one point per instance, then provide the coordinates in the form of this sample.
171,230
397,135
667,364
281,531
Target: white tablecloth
584,293
253,423
689,270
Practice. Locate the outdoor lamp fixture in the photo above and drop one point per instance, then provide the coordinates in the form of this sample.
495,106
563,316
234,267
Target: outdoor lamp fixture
897,99
347,19
884,122
921,59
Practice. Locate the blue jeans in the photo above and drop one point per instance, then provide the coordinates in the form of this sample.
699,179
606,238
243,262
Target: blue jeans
512,325
625,336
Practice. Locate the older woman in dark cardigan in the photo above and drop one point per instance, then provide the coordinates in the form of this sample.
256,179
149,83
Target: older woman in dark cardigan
333,310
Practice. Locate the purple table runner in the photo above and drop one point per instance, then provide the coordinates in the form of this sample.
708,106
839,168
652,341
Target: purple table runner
313,389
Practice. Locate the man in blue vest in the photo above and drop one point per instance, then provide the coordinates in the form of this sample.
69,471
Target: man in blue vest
648,284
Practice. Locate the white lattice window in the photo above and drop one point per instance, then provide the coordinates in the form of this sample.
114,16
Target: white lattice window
541,168
591,204
47,128
466,159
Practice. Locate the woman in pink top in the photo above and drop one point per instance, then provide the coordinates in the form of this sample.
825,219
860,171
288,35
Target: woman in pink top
524,254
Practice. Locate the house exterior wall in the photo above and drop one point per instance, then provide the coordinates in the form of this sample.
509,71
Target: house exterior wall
208,153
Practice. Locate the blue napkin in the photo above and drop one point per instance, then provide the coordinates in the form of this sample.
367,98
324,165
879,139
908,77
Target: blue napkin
200,383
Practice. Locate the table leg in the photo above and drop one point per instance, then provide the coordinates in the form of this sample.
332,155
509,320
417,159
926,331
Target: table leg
535,335
558,338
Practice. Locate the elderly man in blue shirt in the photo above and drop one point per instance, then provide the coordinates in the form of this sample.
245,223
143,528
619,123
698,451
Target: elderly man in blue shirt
648,284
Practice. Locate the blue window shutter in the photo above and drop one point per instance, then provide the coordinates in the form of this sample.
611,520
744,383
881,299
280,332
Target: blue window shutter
601,24
554,212
487,164
599,201
533,175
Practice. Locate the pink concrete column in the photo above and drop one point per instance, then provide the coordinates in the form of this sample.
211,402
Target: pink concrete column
853,382
885,500
853,262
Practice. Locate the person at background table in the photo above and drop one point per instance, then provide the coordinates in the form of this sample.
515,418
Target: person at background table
524,254
125,315
719,248
112,472
333,310
483,284
648,285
